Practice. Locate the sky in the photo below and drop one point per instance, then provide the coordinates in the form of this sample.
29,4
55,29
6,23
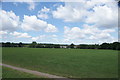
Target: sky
86,22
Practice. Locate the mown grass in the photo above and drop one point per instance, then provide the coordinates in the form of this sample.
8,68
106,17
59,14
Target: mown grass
11,73
73,63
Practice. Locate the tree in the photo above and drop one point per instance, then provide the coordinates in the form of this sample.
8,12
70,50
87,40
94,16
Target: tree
7,44
72,45
83,46
20,44
33,45
56,46
115,46
49,45
105,46
40,46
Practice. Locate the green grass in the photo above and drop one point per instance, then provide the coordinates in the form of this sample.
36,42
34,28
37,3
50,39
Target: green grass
74,63
8,73
0,72
0,62
11,73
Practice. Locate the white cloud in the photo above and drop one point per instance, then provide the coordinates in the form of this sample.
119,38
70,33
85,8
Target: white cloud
54,35
90,29
38,38
20,35
101,36
35,38
73,33
43,13
33,23
3,32
103,16
51,28
43,16
96,14
101,13
87,33
25,36
87,29
10,22
45,9
69,13
46,38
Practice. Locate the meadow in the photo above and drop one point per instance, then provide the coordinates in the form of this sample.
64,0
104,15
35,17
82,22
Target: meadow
11,73
71,63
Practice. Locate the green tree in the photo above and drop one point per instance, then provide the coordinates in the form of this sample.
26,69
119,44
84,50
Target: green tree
72,45
115,45
34,44
20,44
7,44
105,46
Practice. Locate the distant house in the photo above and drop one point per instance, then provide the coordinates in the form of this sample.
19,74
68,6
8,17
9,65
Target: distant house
63,46
75,46
44,45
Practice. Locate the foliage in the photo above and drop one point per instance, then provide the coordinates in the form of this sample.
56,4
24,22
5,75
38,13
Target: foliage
113,46
33,45
72,45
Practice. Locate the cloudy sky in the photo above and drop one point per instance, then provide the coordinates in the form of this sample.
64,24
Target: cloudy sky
60,22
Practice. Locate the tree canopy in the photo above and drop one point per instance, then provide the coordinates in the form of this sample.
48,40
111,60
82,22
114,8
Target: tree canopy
113,46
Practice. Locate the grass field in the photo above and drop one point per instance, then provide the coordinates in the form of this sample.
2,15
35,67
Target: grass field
11,73
74,63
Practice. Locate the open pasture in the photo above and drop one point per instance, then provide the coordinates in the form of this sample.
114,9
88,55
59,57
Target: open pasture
73,63
11,73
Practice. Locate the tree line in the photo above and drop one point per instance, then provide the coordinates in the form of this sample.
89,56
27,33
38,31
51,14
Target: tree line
113,46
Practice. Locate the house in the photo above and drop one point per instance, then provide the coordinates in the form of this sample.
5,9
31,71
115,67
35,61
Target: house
63,46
